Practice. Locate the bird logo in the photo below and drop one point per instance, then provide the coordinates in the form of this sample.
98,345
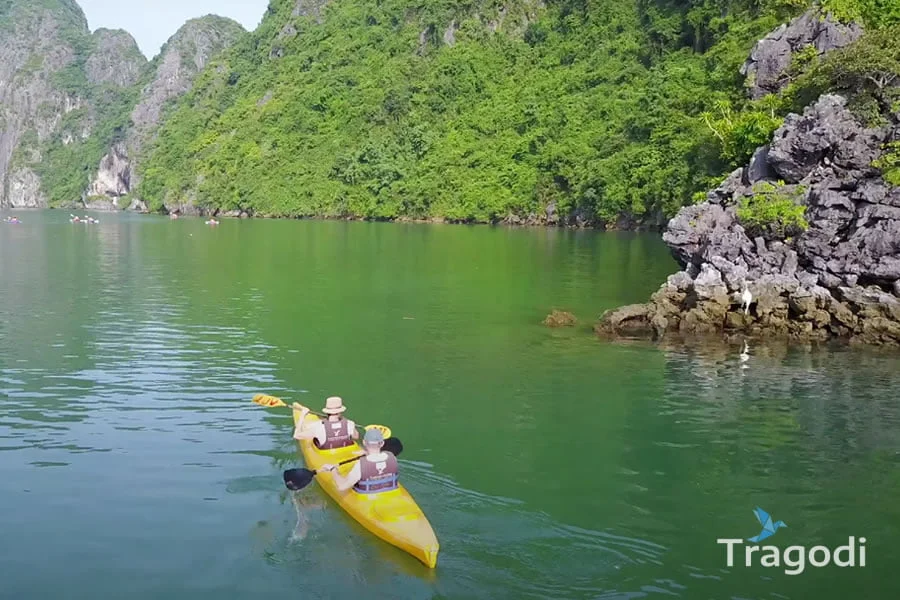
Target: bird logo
768,528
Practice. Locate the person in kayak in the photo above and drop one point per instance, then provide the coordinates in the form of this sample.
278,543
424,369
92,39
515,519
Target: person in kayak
335,432
375,472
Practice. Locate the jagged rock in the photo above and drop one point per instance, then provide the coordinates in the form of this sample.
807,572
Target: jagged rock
680,281
825,130
115,60
727,190
813,287
759,168
184,55
113,178
771,57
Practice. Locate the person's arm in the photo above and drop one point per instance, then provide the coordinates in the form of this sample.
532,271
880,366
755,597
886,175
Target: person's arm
302,431
344,482
354,432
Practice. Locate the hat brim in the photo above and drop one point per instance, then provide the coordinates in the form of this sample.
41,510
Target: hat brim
334,411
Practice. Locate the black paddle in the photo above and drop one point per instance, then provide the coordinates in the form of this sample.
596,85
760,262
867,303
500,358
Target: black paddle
297,479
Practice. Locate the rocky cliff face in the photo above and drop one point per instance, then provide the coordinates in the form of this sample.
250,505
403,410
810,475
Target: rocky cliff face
182,58
840,278
66,95
115,60
35,47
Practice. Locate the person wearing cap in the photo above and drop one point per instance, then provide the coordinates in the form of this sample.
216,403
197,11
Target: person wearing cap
334,432
375,472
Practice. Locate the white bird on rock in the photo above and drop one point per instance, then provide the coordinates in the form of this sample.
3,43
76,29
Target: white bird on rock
746,299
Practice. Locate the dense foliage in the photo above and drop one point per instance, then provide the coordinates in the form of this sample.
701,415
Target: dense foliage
467,112
774,210
472,112
889,163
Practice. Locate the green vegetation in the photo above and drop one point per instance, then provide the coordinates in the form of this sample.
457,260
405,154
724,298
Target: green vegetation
592,108
741,133
600,109
473,111
889,163
774,211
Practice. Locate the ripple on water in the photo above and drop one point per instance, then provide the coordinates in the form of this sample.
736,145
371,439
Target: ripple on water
500,548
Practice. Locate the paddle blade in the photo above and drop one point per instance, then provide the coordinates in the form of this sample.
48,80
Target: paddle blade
268,401
297,479
393,446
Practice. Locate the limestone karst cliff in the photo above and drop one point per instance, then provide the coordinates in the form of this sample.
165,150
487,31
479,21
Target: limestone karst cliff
76,105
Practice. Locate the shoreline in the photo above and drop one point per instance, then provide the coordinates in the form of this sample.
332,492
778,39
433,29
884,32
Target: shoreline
517,223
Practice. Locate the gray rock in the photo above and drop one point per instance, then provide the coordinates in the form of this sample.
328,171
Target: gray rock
680,281
807,279
726,192
113,179
25,190
771,57
759,169
116,59
802,142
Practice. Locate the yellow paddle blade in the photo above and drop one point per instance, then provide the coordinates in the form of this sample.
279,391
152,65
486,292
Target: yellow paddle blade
268,401
385,431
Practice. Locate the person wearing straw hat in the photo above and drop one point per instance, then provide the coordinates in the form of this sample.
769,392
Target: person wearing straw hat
334,432
375,472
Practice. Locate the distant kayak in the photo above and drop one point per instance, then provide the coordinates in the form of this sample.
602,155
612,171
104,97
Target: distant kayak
13,220
212,222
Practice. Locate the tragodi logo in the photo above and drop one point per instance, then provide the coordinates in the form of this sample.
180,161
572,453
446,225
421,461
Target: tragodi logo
794,558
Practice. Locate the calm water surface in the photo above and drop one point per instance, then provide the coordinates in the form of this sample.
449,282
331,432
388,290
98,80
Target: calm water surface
551,465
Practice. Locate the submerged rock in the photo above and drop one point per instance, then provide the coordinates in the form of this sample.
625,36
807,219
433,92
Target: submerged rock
560,318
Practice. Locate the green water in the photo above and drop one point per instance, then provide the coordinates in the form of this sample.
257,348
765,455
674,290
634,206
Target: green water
551,464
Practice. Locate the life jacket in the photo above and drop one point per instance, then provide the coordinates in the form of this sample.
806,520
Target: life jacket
337,434
378,476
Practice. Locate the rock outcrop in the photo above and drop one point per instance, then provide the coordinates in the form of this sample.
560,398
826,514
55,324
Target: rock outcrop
773,56
182,58
839,278
115,60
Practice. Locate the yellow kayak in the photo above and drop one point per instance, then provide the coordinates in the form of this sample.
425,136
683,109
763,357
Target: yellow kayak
393,515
